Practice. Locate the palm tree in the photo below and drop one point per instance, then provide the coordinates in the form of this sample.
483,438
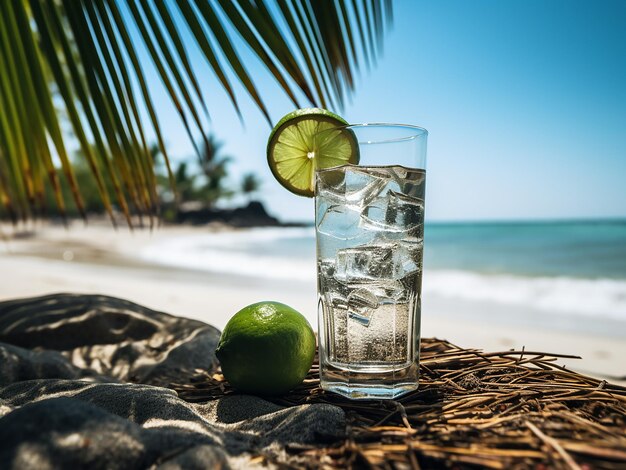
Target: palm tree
185,183
250,184
73,73
213,165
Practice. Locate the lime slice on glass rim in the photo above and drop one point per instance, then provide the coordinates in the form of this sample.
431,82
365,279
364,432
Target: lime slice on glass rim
298,146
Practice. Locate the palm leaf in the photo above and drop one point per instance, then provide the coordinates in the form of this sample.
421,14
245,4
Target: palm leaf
72,82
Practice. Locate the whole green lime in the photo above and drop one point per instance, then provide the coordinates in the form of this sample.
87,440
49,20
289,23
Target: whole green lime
266,348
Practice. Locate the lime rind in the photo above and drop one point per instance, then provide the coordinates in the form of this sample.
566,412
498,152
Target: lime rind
306,112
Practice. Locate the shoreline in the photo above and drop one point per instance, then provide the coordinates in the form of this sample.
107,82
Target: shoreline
98,259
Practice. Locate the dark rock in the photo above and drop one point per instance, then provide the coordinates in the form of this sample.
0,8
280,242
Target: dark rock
252,215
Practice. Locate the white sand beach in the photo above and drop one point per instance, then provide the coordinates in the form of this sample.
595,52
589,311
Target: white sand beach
98,259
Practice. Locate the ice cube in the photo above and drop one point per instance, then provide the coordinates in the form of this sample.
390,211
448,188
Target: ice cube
352,186
414,184
408,259
326,268
338,221
361,303
373,215
394,184
365,263
363,186
400,173
372,263
334,290
337,300
409,210
334,194
395,212
389,292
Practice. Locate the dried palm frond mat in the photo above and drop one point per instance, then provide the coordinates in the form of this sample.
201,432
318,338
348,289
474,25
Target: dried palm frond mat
511,409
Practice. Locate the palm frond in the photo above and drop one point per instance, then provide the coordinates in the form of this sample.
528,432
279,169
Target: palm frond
73,80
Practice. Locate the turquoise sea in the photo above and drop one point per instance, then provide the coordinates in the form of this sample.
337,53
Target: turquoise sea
572,268
593,250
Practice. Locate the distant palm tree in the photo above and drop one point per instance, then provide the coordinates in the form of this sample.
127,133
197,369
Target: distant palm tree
86,61
250,184
185,183
206,186
213,166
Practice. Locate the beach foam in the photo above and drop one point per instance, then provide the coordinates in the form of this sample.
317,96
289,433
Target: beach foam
272,253
592,297
238,252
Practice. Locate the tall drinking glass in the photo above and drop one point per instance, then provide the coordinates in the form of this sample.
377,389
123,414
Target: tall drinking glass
369,230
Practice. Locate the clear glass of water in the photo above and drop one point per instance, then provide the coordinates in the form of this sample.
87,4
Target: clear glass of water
369,231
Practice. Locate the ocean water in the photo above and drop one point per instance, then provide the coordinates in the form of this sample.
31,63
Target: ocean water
570,268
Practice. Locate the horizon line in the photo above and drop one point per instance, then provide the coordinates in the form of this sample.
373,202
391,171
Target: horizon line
521,221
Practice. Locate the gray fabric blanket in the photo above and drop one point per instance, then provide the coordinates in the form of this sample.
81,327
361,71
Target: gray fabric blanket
66,402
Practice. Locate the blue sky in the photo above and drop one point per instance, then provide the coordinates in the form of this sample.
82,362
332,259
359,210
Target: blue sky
525,102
